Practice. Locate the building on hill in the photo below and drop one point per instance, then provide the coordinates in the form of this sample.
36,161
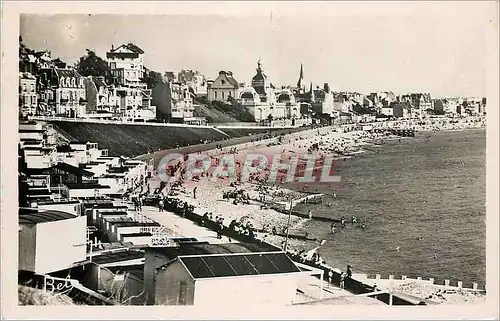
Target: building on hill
223,87
127,65
28,98
129,98
260,98
62,92
173,101
421,102
100,97
194,80
401,109
286,106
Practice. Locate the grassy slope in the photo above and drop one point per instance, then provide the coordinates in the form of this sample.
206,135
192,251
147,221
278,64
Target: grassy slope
215,115
134,140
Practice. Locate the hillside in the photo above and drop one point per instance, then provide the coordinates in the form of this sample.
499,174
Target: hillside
214,115
134,140
220,112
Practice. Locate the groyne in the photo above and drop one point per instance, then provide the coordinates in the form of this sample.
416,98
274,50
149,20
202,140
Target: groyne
359,284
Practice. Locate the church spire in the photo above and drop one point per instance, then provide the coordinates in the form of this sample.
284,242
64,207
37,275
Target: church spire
301,77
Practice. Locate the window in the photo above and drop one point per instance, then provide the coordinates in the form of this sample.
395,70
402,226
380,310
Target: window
73,82
62,82
215,94
222,95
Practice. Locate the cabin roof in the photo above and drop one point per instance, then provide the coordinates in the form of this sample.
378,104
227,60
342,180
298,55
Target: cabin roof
33,216
238,264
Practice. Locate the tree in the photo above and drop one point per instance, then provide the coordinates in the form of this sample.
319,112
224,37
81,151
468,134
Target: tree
152,78
92,65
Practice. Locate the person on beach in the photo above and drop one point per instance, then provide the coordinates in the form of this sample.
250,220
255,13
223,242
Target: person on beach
160,205
332,227
310,214
194,192
342,280
349,272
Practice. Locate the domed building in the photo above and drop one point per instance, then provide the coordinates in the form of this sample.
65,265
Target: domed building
259,98
249,98
286,106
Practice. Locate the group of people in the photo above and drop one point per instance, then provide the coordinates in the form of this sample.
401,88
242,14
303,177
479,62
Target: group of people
219,220
243,229
175,205
237,195
354,220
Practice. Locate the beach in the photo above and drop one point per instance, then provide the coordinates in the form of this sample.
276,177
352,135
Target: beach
256,207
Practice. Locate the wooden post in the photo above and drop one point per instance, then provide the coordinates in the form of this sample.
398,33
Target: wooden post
321,285
288,226
446,282
431,280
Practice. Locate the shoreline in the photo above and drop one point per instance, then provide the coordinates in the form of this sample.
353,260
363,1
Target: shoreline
209,198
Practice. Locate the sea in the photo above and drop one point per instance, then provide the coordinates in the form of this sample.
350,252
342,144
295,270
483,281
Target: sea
422,201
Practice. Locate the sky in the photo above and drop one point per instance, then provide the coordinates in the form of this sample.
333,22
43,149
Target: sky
441,52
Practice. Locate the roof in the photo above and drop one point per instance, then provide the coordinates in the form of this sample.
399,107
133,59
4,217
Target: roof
54,202
64,149
31,130
134,223
135,234
26,75
240,264
99,82
30,216
130,46
38,191
60,72
86,186
118,256
72,169
113,213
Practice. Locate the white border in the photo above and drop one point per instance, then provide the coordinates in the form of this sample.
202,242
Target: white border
9,136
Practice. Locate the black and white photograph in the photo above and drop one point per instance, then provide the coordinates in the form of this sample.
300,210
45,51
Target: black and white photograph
336,156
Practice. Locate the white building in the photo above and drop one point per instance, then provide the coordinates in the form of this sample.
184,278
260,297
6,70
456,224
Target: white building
127,65
40,251
28,99
129,96
241,279
286,106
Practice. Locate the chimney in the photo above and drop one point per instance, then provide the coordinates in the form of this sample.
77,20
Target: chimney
222,73
112,47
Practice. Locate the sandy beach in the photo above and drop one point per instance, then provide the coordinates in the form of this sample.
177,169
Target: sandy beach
258,196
